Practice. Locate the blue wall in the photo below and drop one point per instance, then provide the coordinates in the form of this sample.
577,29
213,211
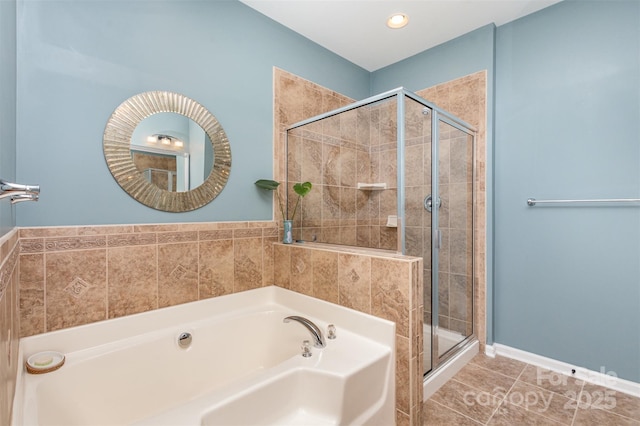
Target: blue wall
567,279
78,60
563,282
7,106
461,56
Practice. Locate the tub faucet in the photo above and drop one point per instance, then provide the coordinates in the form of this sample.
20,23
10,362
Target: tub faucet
316,333
17,192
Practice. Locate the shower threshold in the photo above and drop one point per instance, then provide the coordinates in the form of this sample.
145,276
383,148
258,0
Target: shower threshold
444,372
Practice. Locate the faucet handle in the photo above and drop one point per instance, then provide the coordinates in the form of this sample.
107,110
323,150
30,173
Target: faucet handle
306,349
331,332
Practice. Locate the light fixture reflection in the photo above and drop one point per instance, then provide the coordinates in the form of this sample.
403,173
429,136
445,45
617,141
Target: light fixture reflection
166,141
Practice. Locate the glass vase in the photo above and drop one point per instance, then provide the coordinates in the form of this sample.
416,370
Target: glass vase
287,236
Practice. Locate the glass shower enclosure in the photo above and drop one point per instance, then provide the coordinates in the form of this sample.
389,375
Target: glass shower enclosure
395,172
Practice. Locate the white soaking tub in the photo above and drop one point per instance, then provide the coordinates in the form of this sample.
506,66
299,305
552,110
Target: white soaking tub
243,366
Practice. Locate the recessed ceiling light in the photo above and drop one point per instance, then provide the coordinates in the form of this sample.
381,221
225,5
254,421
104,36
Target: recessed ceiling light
397,20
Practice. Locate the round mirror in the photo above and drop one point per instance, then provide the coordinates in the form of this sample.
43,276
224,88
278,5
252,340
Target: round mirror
167,151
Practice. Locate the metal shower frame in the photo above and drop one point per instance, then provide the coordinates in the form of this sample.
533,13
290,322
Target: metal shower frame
437,115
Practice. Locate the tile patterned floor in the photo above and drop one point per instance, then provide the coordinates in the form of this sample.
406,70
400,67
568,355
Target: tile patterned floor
502,391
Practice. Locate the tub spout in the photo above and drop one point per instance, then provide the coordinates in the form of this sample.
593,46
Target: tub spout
17,192
316,333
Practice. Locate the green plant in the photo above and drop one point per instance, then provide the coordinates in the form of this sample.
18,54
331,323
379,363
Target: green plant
300,188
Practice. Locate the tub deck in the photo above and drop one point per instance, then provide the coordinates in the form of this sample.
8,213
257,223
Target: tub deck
242,361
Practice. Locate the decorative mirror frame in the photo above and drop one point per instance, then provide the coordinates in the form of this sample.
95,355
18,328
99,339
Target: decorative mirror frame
117,145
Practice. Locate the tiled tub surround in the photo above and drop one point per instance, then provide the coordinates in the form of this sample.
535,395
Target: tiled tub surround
77,275
375,282
9,320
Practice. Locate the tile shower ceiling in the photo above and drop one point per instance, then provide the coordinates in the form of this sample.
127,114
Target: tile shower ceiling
357,31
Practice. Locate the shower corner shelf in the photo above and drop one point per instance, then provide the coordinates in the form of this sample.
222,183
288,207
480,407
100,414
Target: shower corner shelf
372,186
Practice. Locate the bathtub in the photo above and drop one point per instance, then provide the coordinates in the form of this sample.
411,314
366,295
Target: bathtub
243,366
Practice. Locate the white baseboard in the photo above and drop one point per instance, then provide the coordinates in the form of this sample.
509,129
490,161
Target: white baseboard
490,351
601,378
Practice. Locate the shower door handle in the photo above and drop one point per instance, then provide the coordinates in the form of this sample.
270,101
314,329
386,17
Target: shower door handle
428,203
437,238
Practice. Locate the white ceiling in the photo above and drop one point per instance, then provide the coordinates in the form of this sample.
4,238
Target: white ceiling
357,31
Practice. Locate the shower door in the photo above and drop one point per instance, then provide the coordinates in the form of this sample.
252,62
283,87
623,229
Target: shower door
452,220
438,182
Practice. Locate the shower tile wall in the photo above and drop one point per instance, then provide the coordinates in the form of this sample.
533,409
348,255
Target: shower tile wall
417,159
466,98
296,99
455,262
9,322
335,154
383,155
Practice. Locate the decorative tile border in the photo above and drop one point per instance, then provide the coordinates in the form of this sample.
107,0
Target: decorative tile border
74,243
32,245
38,240
121,240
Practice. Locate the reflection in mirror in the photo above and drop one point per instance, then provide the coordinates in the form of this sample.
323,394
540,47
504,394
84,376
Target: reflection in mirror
172,151
167,171
167,151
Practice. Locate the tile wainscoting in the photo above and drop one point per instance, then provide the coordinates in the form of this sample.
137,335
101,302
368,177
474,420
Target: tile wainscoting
71,276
